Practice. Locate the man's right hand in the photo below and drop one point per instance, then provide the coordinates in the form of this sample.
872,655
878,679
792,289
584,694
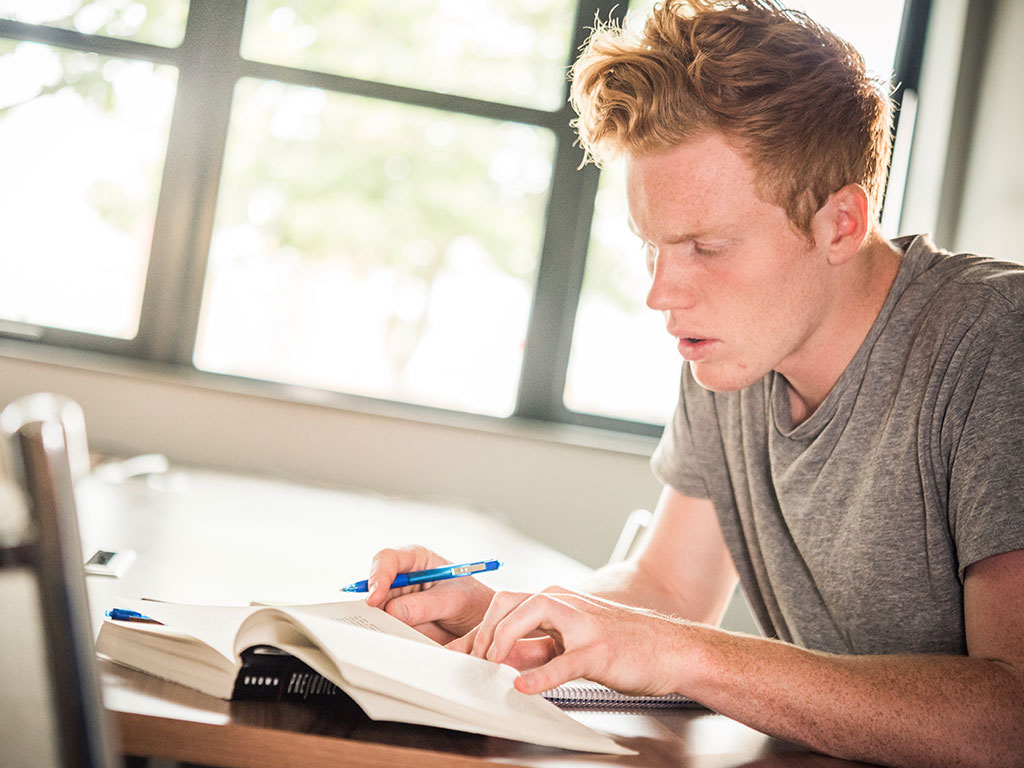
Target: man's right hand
442,610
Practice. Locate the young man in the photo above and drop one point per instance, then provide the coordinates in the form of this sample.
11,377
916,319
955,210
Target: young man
849,439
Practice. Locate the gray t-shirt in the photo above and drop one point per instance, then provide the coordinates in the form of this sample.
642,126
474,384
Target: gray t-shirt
852,530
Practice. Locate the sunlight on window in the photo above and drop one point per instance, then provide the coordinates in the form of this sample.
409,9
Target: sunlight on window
499,51
82,136
161,22
622,363
374,248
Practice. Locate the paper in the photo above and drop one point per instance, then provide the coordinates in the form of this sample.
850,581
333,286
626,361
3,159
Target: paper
392,671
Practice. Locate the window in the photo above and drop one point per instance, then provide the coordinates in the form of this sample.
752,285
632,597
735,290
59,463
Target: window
376,248
510,52
364,198
82,142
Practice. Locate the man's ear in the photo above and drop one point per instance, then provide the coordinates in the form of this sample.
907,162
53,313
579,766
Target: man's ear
842,223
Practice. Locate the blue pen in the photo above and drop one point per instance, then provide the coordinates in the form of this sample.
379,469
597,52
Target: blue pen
122,614
432,574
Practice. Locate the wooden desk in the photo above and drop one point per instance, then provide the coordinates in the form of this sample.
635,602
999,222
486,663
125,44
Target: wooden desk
206,537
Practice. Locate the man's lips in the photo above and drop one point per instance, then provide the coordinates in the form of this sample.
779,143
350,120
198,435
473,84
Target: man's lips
694,348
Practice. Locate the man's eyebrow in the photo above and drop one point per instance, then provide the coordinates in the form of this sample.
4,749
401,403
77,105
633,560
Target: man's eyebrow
718,233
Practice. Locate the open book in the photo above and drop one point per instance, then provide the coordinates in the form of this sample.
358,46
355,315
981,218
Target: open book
389,669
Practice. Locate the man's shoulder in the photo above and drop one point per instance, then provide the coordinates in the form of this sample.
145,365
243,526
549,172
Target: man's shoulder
957,280
958,314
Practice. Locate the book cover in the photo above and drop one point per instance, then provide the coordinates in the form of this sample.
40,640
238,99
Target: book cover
269,674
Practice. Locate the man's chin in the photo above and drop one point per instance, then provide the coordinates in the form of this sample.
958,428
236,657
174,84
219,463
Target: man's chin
720,378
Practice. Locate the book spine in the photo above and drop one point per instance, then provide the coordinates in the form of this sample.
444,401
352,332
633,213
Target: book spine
290,686
282,678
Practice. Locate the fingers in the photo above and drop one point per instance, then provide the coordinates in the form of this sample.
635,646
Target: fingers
560,669
526,654
512,616
441,610
581,636
427,605
502,604
532,652
388,563
463,644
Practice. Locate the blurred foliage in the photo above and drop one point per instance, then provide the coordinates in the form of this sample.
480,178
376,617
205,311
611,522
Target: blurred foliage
515,52
323,175
34,72
379,185
160,22
383,183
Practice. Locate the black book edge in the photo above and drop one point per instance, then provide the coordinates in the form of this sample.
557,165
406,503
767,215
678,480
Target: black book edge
270,674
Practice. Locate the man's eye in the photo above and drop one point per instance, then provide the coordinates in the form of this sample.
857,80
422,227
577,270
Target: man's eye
706,250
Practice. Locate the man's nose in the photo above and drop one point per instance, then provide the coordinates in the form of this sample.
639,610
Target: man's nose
672,284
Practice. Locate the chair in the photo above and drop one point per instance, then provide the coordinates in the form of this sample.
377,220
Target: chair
52,704
631,535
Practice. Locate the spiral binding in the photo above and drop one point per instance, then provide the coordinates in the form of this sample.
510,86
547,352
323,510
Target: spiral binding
588,694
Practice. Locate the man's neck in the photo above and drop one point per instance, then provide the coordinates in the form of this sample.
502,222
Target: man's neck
860,298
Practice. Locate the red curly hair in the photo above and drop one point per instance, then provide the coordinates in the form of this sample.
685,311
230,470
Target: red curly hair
788,92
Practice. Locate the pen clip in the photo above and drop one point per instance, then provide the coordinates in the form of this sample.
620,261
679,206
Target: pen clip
462,570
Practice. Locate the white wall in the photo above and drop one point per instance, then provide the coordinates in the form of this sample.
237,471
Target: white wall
934,114
568,487
993,207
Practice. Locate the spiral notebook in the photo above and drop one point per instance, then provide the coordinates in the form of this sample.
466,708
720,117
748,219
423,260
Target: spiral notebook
586,694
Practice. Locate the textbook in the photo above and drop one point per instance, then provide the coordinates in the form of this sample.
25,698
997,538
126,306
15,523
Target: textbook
270,674
586,694
391,671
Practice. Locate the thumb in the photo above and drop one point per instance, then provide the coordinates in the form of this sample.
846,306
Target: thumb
531,652
425,606
561,669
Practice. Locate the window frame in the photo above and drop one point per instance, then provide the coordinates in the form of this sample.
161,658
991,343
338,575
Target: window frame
209,64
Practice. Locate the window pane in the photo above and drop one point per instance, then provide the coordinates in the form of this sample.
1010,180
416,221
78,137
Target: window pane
511,52
374,248
870,26
160,22
622,363
82,140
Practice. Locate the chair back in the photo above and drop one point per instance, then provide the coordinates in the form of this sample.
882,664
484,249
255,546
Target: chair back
632,533
52,706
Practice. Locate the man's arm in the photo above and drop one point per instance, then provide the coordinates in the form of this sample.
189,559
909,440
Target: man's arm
682,566
907,710
903,709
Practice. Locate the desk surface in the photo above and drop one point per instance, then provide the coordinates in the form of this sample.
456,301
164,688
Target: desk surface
206,537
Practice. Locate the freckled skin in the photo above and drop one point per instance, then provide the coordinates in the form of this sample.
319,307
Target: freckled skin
728,266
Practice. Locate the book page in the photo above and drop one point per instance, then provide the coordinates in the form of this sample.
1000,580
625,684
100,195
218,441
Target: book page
477,693
358,614
214,625
376,705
